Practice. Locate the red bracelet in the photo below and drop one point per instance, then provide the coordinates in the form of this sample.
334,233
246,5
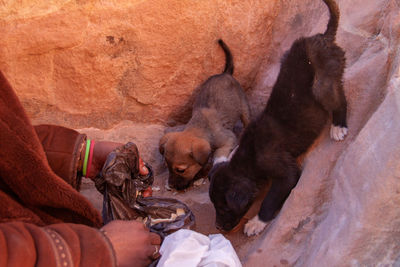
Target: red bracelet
90,158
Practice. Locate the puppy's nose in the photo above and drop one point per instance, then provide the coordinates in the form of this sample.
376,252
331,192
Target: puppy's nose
179,170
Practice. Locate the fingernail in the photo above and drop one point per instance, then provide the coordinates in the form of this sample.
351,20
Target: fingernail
145,170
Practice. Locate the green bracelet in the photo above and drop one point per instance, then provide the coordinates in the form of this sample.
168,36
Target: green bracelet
86,157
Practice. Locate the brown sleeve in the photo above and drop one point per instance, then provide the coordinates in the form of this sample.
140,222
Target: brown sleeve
63,147
23,244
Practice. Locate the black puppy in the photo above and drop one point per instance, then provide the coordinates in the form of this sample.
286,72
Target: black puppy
308,88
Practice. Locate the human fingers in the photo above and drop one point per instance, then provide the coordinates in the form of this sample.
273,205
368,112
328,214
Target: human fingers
155,239
156,254
142,167
153,252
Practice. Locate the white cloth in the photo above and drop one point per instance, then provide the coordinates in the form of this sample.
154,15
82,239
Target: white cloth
186,248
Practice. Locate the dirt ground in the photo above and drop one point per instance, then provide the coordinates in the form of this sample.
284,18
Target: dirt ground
197,199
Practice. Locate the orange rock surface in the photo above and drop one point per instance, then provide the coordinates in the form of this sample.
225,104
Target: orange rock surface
95,63
125,71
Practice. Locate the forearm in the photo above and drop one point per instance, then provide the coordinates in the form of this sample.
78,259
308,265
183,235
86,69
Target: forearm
66,152
23,244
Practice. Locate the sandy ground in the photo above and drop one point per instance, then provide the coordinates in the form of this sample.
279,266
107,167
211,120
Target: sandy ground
198,201
146,137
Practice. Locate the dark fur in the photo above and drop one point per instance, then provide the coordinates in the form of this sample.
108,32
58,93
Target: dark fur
220,103
308,88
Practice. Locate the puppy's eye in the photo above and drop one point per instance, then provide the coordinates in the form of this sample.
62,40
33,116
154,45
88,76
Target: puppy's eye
179,170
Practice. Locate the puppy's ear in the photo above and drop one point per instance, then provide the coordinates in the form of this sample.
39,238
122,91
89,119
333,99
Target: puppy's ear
238,197
201,151
163,142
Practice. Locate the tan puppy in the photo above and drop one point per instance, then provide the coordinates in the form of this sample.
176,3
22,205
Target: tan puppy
221,102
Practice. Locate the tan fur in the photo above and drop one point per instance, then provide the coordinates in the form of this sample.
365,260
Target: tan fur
220,104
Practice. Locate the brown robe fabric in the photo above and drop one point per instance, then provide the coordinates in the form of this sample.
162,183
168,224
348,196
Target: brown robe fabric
32,194
62,146
24,244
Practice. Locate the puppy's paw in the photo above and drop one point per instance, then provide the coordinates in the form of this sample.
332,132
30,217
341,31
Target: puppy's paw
338,133
167,187
254,226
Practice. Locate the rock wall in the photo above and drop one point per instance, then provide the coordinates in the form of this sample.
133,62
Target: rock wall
131,67
344,210
95,63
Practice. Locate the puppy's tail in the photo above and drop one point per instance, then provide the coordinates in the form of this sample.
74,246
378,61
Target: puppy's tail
333,23
228,58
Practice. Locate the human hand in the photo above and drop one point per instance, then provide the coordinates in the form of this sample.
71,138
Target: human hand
133,243
100,153
142,168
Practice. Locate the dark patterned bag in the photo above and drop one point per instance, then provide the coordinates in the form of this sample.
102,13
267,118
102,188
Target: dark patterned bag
122,187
